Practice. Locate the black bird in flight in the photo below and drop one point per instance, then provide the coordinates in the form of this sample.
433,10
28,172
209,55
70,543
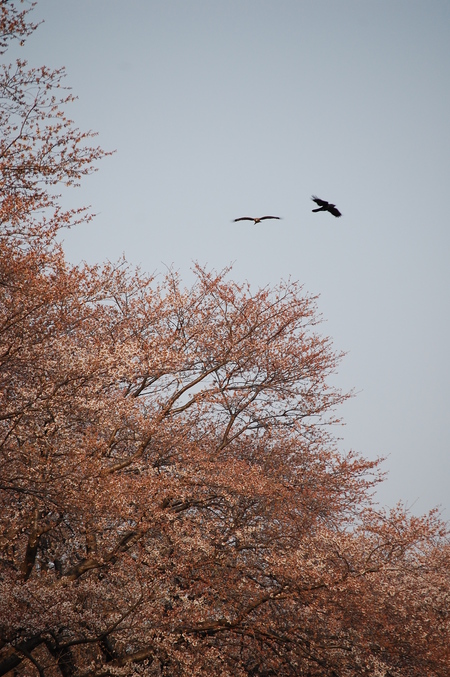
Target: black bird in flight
325,206
256,219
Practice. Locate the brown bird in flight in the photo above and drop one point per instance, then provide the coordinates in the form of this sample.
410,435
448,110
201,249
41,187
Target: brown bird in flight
256,219
325,206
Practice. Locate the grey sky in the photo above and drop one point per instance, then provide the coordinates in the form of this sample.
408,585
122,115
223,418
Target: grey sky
244,107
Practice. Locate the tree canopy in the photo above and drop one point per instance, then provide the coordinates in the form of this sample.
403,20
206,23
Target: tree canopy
172,499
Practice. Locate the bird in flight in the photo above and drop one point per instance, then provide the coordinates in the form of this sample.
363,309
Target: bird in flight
255,219
325,206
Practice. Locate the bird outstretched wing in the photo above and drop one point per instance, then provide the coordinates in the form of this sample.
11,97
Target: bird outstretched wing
318,201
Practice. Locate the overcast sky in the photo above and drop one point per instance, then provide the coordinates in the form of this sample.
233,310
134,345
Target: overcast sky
227,108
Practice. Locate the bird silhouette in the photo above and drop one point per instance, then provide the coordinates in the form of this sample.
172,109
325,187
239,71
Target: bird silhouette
325,206
255,219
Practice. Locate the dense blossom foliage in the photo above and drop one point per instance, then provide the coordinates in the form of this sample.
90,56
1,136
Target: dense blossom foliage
172,501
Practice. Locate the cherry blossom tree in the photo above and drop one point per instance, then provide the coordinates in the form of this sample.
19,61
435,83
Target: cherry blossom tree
172,499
